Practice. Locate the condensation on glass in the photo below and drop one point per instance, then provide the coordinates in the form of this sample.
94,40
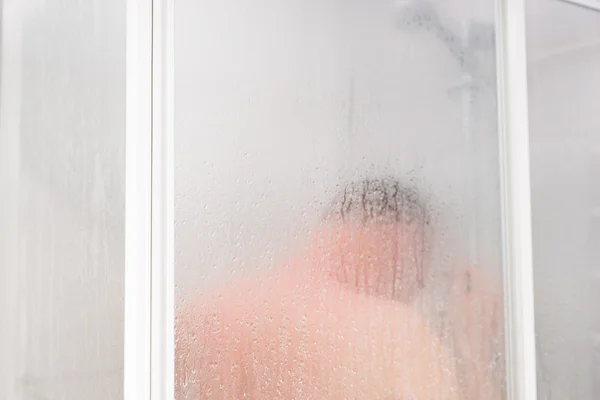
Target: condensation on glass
337,200
564,82
62,120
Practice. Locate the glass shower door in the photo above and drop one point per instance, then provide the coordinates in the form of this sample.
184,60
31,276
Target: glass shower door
337,193
62,120
337,200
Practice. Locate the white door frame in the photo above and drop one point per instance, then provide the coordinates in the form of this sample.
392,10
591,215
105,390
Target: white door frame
149,222
513,124
149,258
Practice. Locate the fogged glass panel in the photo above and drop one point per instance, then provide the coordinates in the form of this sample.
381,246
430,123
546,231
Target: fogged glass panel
337,200
564,82
62,122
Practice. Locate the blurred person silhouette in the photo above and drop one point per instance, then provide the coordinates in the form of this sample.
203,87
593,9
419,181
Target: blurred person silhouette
341,322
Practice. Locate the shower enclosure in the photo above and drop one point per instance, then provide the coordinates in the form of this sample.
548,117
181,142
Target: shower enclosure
153,151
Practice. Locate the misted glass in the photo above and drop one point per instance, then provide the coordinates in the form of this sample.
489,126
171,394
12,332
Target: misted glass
337,200
564,85
62,173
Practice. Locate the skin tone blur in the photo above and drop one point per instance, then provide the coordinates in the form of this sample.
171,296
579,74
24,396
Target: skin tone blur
340,322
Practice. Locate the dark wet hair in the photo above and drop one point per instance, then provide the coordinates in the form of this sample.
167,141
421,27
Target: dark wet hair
388,201
382,200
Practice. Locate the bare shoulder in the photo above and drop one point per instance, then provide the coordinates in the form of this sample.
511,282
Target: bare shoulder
413,362
286,337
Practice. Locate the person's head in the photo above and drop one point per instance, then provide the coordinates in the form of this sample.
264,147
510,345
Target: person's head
377,236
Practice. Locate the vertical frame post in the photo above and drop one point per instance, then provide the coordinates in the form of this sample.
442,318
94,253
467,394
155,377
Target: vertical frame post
162,342
516,199
149,219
